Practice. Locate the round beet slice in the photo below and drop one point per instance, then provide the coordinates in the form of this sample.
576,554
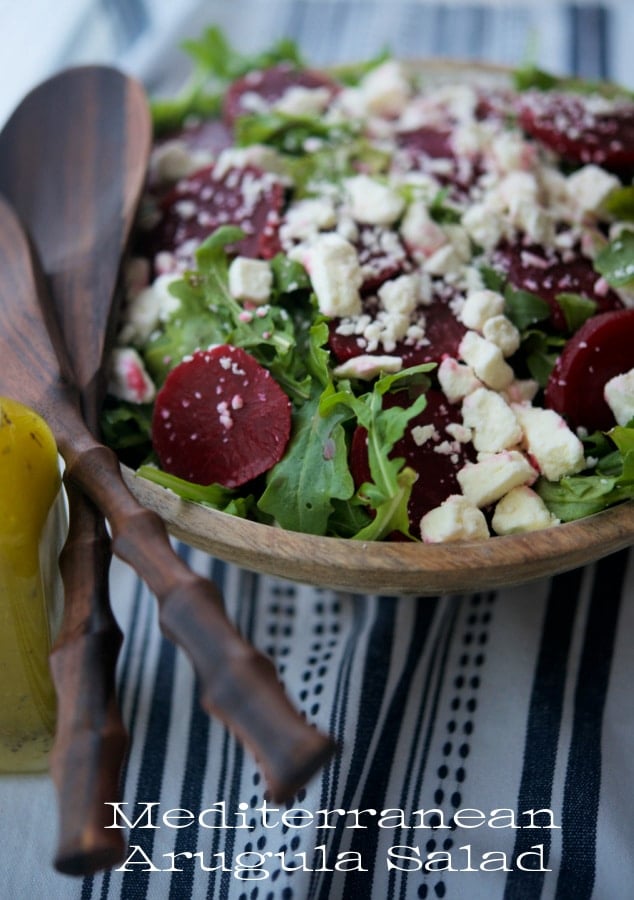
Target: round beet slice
220,418
547,274
581,129
602,348
270,85
202,202
443,333
436,460
430,150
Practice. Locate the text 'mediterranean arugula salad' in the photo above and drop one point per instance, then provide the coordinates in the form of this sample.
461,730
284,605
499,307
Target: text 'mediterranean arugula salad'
374,304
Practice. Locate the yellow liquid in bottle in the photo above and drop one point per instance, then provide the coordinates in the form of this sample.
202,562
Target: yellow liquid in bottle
29,587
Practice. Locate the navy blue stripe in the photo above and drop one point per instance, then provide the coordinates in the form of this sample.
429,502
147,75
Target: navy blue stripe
135,883
245,620
372,690
583,776
417,762
378,777
544,722
589,51
331,776
182,883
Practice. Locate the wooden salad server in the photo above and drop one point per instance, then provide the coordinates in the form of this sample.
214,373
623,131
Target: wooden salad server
73,158
239,685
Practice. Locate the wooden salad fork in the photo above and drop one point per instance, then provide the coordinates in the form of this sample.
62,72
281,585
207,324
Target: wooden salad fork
72,162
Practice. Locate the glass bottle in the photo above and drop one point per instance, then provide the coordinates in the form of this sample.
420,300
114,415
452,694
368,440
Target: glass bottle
32,517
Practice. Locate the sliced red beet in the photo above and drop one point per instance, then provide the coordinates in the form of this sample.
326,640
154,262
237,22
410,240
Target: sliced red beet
581,129
602,348
436,461
549,273
443,333
220,418
270,85
211,135
202,202
430,150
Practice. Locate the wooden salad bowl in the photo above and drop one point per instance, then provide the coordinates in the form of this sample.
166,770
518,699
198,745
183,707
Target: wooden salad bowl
389,567
394,567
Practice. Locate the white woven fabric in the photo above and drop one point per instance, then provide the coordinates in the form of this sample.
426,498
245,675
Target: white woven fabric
513,701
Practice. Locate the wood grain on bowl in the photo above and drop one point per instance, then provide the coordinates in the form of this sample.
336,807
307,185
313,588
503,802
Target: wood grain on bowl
392,568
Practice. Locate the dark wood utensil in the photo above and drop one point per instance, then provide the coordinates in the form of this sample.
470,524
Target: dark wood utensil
239,685
73,158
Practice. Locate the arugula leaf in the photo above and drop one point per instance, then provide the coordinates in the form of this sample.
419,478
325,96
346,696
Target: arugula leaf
441,212
352,73
576,309
213,495
216,64
302,488
492,279
392,481
523,308
530,77
576,496
127,426
333,162
289,133
540,351
620,203
314,471
616,261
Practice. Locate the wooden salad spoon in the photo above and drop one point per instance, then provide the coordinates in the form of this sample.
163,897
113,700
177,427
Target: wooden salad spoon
238,684
73,158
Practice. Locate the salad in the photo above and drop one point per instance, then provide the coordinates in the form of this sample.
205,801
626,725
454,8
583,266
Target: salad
368,304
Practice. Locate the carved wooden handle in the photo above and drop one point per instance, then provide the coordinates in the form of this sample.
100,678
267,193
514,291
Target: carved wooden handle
90,738
239,684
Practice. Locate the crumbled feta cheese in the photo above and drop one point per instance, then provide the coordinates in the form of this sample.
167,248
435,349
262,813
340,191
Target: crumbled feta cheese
479,306
456,379
460,433
333,266
298,100
444,261
501,332
129,379
510,152
494,475
454,520
421,234
250,279
484,225
172,160
144,312
521,390
423,433
459,240
486,360
367,367
619,395
521,510
400,295
307,217
385,89
589,186
554,447
494,424
371,202
260,155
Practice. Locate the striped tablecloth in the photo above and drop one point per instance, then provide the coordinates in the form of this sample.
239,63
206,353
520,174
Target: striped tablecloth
460,717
